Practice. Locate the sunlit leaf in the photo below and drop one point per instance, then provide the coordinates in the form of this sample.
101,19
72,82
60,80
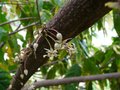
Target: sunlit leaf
99,24
45,15
51,72
116,18
89,85
40,4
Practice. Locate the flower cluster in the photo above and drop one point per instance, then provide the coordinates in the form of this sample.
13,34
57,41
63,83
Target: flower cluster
59,45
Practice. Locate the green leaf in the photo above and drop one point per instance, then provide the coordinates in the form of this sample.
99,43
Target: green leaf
57,2
1,55
116,19
3,19
108,55
40,4
51,72
62,54
3,35
45,15
89,67
75,70
99,24
20,37
14,44
63,66
44,70
47,5
2,87
4,79
2,16
70,87
89,86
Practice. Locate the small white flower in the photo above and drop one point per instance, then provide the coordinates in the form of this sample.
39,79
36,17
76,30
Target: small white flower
40,31
57,46
51,53
22,52
65,45
26,72
21,83
35,45
10,86
22,56
16,59
59,36
71,49
21,76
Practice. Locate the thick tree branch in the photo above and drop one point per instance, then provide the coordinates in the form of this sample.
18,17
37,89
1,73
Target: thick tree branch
54,82
75,17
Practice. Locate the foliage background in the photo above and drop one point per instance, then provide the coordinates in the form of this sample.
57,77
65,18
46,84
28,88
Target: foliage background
88,59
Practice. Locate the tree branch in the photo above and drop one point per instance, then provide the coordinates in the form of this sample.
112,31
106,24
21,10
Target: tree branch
20,19
75,17
24,28
16,3
74,80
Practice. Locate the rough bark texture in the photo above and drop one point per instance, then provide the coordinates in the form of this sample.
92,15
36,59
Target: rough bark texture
75,17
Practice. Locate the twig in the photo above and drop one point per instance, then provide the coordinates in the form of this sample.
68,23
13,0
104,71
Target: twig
74,80
38,11
20,19
2,44
54,62
16,3
23,28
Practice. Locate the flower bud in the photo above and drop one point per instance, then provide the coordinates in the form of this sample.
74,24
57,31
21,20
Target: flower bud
26,72
21,76
22,56
57,46
16,59
35,45
59,36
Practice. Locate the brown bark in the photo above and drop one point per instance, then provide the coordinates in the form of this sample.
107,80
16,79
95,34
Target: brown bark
75,17
69,80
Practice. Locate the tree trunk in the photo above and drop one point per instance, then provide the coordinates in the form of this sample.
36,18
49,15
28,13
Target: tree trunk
75,17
